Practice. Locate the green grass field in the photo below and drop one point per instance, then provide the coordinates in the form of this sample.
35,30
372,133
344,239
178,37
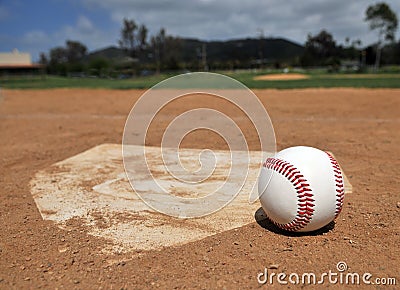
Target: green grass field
315,80
324,80
50,82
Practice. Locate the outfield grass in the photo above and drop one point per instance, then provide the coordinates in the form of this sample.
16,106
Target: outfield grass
315,80
50,82
324,80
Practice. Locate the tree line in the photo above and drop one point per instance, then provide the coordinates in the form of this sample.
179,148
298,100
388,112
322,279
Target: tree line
322,49
144,53
141,52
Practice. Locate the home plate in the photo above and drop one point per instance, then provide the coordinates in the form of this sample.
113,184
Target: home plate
92,187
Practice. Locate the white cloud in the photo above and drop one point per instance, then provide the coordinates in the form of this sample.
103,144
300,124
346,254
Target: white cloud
225,19
84,25
207,19
83,28
83,31
35,37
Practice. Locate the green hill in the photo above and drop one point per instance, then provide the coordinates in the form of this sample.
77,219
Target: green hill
269,49
241,52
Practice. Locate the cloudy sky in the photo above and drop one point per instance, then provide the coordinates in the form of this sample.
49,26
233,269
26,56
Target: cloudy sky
35,26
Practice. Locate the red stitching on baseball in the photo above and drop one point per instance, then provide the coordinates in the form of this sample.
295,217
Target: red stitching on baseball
339,183
305,202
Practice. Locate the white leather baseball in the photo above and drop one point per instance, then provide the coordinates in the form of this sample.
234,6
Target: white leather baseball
301,189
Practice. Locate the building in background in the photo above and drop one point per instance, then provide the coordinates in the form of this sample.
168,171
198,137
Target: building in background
19,64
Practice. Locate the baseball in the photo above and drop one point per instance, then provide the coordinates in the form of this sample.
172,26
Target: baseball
301,189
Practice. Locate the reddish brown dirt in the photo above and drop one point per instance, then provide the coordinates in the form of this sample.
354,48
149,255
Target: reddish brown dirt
39,128
281,77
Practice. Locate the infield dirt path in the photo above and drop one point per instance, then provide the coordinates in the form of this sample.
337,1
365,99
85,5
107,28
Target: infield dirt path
41,127
281,77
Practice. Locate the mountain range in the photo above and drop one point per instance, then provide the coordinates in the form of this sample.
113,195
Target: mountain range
267,50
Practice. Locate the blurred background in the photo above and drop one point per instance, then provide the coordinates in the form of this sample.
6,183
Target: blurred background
138,43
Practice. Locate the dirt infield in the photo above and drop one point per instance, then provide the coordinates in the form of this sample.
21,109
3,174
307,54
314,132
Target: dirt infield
39,128
281,77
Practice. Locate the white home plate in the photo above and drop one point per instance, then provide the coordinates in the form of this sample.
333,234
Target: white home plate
92,187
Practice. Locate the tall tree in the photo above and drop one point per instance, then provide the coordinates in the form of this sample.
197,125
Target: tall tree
43,58
156,52
382,19
322,44
319,49
128,38
158,46
58,60
142,36
172,52
75,51
58,55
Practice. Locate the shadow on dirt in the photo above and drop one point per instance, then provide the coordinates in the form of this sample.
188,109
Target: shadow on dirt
262,219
